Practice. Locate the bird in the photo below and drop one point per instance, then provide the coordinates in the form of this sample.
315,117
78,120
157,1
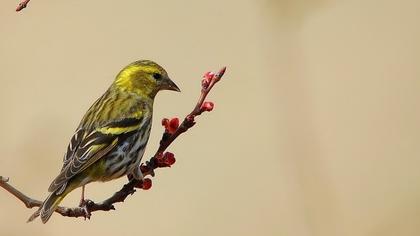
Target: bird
112,136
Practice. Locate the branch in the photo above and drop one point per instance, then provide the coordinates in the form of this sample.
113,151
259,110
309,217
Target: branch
22,5
161,159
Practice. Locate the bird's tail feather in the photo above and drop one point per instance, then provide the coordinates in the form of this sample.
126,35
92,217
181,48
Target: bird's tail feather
35,215
48,207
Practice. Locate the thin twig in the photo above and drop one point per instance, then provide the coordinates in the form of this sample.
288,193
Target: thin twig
159,160
22,5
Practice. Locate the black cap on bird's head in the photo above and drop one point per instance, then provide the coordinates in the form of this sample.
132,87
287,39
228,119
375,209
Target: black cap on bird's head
145,77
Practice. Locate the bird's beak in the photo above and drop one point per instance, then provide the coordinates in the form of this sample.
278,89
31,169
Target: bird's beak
170,85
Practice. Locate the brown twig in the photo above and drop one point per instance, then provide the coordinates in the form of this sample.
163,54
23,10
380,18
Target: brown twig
159,160
22,5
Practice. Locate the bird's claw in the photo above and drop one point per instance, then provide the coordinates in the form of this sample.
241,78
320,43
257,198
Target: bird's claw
84,205
137,173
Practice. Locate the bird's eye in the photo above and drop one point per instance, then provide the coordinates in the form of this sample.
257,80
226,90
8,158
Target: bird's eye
157,76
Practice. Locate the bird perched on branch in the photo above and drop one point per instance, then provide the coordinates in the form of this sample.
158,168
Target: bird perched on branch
112,136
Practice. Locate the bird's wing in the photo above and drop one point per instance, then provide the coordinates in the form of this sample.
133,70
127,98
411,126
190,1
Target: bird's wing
88,147
74,143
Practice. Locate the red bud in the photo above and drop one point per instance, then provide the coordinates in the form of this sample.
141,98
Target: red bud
169,158
173,125
147,184
208,75
170,125
207,106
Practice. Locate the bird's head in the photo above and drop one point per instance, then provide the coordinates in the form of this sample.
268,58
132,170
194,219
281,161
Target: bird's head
144,78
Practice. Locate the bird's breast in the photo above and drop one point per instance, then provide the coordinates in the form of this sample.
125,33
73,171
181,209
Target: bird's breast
128,154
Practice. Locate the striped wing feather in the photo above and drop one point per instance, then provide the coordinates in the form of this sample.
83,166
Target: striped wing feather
73,145
87,148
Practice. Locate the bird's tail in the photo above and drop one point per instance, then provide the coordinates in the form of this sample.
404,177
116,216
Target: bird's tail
48,207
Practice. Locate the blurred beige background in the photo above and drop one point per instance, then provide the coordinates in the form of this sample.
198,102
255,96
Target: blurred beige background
315,130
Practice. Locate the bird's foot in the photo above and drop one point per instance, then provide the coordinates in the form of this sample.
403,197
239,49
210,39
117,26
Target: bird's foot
85,205
136,174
